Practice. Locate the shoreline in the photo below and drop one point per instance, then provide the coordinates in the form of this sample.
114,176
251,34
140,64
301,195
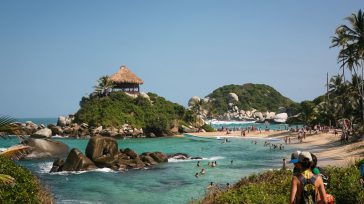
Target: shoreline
326,146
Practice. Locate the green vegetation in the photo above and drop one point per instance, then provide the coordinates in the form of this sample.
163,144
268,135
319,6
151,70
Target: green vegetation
156,116
24,187
274,187
345,96
258,96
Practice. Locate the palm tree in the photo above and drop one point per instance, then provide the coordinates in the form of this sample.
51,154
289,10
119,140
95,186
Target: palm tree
103,84
4,125
339,40
351,40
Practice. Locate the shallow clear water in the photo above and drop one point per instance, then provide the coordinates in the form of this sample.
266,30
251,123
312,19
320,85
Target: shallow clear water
171,182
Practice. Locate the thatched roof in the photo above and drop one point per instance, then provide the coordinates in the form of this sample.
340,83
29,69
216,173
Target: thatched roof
124,75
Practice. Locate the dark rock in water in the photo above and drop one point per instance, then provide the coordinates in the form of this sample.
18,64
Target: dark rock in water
76,161
102,151
131,153
181,156
42,133
159,157
57,165
148,160
196,158
56,130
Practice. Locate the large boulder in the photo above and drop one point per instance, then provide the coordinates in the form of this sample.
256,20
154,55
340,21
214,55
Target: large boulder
56,130
61,121
102,151
193,101
131,153
187,129
144,95
147,159
159,157
232,97
280,118
57,165
76,161
45,148
42,133
259,115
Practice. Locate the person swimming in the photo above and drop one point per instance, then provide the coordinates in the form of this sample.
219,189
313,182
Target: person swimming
202,172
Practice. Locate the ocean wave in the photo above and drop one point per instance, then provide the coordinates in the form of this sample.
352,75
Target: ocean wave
78,201
46,167
222,122
3,149
173,160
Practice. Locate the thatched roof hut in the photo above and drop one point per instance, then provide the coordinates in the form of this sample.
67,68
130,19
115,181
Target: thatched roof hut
124,75
126,81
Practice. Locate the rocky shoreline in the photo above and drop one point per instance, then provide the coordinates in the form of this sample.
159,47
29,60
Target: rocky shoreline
66,127
103,152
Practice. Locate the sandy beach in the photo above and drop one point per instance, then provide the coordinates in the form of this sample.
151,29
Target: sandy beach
326,146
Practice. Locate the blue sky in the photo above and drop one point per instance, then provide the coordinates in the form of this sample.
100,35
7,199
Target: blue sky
52,52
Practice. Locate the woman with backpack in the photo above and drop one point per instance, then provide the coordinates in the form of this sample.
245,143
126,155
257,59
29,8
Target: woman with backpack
306,187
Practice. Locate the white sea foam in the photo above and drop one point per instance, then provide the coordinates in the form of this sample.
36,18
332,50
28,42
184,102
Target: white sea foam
173,160
46,167
78,201
230,122
3,149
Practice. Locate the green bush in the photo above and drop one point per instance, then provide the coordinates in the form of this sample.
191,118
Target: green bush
157,116
274,187
345,185
208,128
27,188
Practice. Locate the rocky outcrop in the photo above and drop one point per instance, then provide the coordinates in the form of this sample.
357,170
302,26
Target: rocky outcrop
281,118
45,148
193,101
232,97
42,133
76,161
103,152
189,129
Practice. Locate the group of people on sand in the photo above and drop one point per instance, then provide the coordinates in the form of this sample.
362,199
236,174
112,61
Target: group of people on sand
308,180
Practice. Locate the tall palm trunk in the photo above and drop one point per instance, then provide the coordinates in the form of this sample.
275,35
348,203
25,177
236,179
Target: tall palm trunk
362,91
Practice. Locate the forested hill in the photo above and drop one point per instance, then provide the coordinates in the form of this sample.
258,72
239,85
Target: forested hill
250,96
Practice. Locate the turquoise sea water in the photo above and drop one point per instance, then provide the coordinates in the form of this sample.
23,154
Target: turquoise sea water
172,182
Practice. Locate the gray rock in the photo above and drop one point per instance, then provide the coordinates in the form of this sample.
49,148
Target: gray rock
76,161
61,121
193,101
232,97
42,133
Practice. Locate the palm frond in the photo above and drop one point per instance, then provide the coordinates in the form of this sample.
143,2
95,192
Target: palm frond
16,152
5,122
7,180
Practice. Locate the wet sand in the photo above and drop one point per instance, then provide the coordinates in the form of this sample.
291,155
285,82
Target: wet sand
326,146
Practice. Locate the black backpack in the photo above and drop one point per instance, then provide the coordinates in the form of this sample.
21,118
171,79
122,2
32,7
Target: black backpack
325,178
308,195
